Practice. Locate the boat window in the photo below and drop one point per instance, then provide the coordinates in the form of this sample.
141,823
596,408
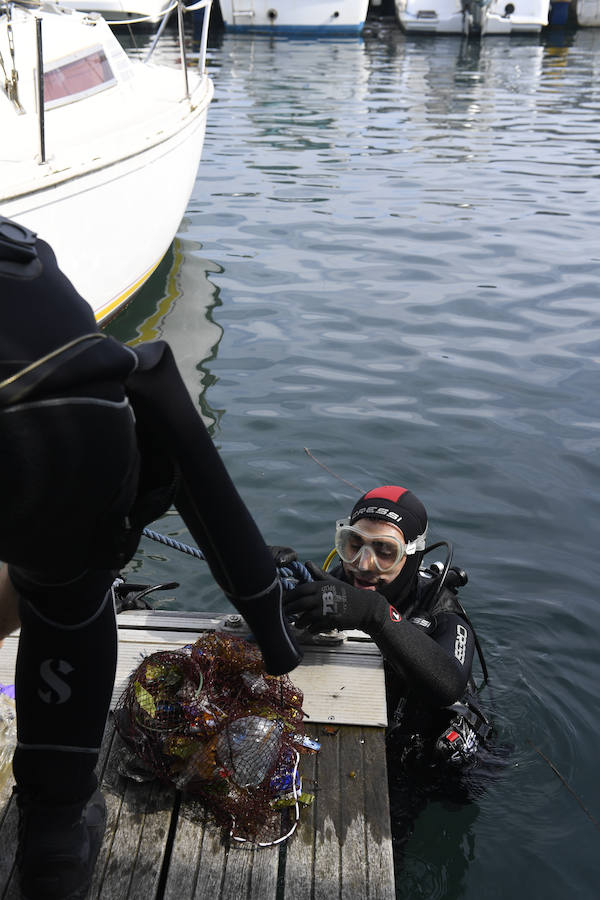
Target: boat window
77,77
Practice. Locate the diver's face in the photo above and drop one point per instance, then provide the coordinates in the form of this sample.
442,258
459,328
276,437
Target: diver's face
363,571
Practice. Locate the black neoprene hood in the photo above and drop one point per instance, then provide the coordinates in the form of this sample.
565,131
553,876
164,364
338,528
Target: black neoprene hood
400,507
395,505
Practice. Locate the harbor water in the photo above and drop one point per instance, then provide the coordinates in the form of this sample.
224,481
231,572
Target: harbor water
391,258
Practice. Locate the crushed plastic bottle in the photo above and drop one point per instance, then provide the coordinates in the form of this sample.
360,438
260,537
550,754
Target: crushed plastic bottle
249,748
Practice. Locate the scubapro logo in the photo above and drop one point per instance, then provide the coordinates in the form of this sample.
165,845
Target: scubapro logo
59,690
460,644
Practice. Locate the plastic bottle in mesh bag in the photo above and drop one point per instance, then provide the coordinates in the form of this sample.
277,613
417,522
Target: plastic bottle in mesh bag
249,748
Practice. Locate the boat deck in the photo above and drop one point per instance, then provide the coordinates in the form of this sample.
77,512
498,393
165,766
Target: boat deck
161,845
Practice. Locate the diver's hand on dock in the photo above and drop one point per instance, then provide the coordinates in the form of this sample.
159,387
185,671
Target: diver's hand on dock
327,603
283,556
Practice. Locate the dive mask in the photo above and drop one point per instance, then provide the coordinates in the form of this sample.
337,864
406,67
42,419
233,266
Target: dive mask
351,542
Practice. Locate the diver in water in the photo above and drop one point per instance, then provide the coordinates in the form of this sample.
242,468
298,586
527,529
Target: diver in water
96,441
414,616
438,734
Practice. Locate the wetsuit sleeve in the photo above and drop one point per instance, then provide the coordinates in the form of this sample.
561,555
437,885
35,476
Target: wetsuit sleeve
438,663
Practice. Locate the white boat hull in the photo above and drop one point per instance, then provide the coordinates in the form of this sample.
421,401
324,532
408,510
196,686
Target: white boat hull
109,255
294,16
448,17
439,16
119,169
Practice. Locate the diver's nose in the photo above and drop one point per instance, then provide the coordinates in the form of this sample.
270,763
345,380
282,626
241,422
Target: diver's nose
365,559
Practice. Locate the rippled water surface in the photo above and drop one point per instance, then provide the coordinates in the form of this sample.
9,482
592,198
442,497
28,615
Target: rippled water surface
391,257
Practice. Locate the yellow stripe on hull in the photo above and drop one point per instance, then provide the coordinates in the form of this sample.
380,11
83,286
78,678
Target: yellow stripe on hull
113,306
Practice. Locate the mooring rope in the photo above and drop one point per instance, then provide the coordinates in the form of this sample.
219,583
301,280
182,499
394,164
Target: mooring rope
170,542
291,574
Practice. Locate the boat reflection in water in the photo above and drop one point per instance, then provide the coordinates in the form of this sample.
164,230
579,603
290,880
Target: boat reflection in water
176,305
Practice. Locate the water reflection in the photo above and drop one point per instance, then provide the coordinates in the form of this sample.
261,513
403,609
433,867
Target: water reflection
176,305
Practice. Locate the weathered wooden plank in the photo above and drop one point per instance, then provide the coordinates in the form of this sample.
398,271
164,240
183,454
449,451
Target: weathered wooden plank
205,863
237,874
354,873
377,812
265,868
343,844
327,822
251,872
299,853
185,856
212,864
138,818
198,856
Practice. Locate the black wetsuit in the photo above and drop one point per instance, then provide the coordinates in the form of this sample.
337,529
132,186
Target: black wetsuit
96,440
428,671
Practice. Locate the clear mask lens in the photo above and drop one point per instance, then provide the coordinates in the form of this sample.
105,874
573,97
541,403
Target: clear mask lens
352,545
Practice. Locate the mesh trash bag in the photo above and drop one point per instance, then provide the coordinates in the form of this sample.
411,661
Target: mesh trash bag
210,720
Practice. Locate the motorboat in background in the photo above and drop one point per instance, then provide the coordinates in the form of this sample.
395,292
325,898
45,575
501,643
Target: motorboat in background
471,16
99,152
587,13
336,16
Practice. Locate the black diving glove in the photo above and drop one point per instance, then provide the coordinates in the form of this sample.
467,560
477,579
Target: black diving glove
283,556
327,603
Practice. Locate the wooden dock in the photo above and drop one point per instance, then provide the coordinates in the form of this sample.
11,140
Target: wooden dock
160,845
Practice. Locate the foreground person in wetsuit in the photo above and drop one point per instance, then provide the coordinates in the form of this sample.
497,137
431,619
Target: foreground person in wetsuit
96,441
414,617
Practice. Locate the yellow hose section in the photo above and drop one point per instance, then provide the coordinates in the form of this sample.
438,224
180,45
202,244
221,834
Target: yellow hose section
329,559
